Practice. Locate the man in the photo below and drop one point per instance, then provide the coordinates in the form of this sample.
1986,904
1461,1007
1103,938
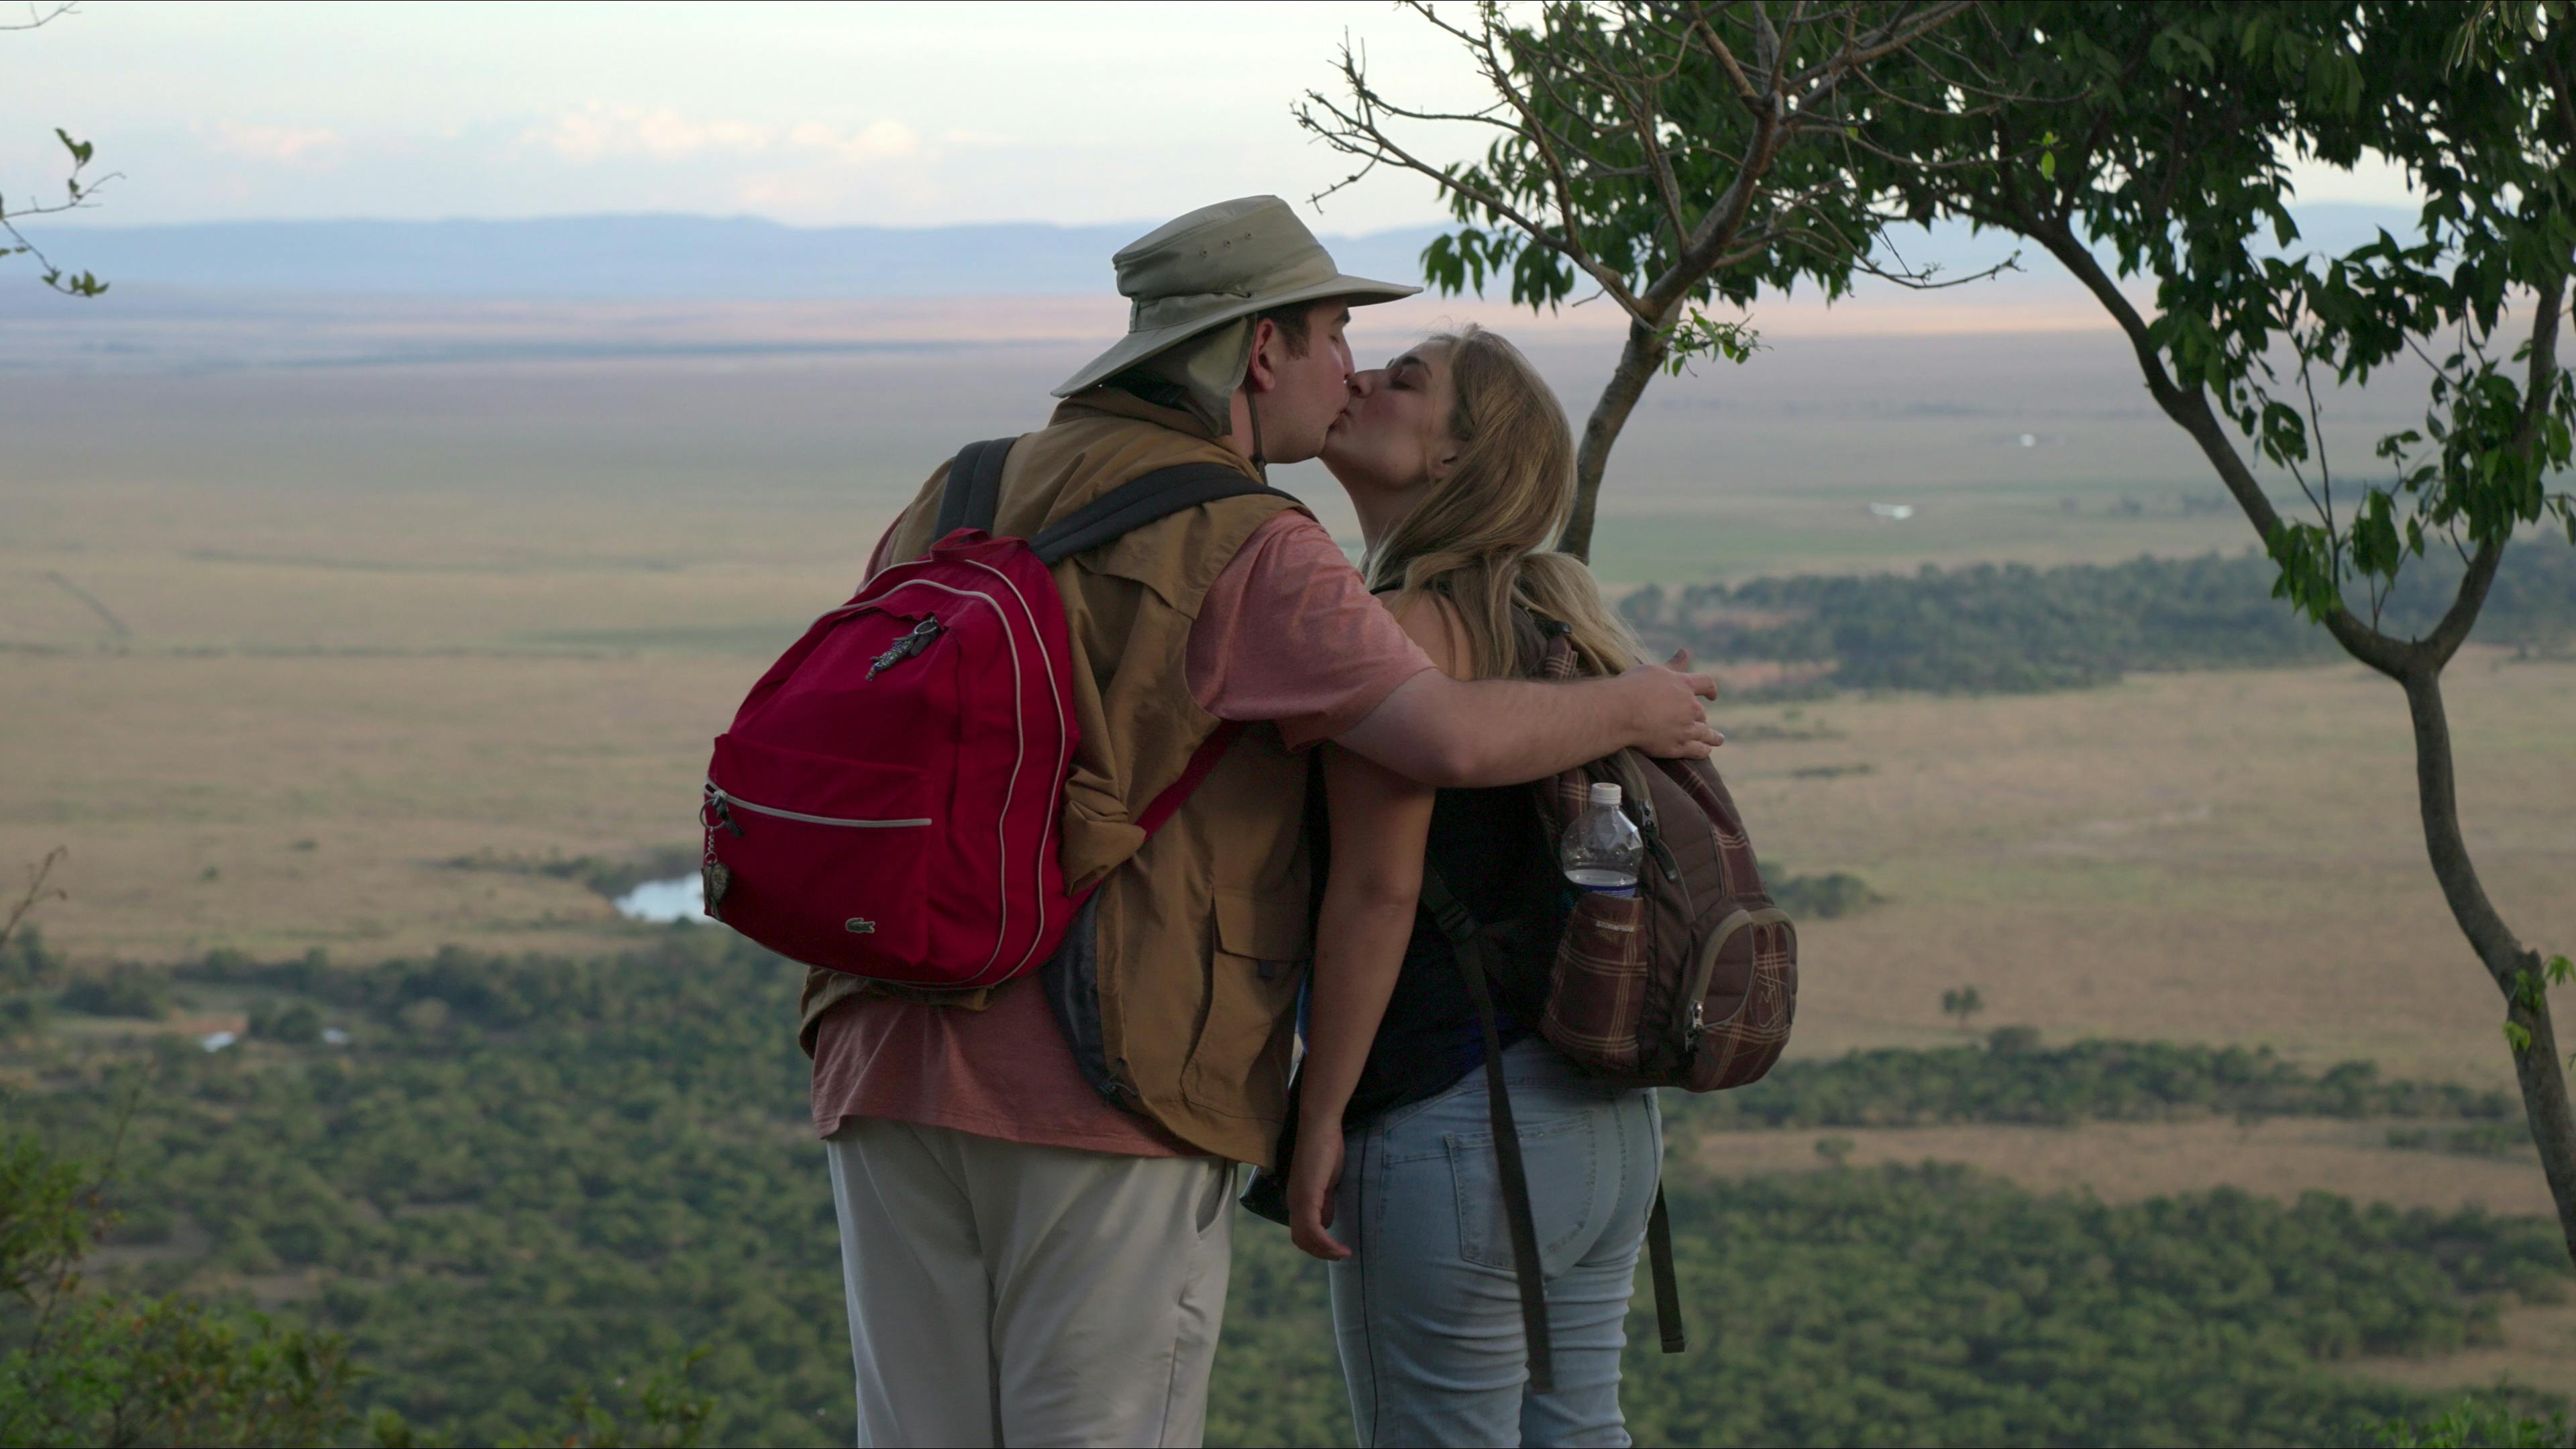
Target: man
1033,1182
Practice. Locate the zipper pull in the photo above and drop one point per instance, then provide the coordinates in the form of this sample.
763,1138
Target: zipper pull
724,817
904,648
1662,853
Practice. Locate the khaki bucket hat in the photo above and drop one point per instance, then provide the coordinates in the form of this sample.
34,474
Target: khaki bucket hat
1216,265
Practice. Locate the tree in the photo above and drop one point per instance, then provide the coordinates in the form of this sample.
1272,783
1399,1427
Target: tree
77,194
1668,156
1963,1003
2169,167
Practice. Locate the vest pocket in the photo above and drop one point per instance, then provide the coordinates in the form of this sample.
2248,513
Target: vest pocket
1241,1057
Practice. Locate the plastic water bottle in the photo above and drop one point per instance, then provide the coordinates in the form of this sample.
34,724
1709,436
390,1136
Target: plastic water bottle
1601,849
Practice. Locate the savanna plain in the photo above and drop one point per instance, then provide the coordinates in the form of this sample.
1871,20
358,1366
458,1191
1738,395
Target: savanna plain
371,656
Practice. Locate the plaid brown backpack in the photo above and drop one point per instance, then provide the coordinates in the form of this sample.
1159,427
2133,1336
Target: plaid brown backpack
1689,983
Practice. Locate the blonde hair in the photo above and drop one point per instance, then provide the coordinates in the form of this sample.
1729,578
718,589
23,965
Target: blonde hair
1479,538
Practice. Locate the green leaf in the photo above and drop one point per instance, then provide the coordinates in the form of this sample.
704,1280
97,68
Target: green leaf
2526,989
2518,1037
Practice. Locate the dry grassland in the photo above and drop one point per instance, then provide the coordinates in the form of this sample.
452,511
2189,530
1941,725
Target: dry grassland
2216,857
361,620
2133,1161
2212,857
278,804
519,454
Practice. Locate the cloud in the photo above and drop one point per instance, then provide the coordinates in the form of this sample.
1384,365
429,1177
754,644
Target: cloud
316,145
598,131
874,142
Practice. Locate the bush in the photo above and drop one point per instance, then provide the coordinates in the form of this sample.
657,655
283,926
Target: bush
2014,629
2015,1078
1825,897
1933,1305
21,1015
79,1368
127,991
25,964
598,1163
2470,1424
297,1024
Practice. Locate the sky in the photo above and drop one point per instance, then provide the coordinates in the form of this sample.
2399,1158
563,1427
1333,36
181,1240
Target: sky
810,114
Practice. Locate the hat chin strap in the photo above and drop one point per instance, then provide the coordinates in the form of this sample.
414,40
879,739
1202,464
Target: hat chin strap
1252,411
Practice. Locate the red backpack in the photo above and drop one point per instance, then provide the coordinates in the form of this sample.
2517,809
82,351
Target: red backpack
887,800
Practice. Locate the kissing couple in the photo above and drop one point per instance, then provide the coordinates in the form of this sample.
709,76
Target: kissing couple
1035,1182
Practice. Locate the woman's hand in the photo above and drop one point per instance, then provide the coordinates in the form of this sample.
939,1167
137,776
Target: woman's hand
1314,1179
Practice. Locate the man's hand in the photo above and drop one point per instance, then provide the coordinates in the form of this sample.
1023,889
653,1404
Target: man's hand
1669,721
1455,734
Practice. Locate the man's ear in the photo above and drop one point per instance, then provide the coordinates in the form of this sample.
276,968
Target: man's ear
1263,374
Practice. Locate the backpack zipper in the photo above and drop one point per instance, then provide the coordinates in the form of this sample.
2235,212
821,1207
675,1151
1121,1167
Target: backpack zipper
904,648
1663,855
1742,918
1640,799
720,802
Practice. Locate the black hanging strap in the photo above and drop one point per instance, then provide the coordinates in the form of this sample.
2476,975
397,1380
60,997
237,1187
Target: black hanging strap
1470,944
1668,1288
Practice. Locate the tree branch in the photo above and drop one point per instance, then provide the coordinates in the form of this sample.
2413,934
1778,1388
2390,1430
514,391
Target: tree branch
2542,380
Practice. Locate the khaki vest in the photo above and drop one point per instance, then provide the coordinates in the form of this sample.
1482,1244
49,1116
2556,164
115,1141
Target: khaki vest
1202,931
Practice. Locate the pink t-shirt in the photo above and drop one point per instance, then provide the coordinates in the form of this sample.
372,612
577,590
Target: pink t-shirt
1287,633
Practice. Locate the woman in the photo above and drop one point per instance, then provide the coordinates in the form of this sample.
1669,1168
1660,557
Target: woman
1458,459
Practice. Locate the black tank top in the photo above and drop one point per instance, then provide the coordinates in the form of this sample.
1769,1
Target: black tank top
1488,846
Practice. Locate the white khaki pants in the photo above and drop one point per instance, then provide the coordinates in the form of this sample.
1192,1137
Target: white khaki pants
1004,1294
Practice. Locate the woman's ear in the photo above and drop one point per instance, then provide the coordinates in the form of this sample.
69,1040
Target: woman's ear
1444,458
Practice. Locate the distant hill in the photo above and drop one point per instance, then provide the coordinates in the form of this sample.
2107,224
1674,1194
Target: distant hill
745,258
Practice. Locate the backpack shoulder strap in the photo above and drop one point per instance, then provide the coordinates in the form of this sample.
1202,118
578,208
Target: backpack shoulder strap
974,491
1132,505
972,498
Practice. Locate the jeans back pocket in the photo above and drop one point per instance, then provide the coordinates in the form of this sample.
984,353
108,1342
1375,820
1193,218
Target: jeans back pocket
1562,1157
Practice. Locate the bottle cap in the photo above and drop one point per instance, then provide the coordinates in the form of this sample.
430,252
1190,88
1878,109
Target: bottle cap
1606,795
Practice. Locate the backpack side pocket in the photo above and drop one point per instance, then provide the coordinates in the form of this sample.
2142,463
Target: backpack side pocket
1597,998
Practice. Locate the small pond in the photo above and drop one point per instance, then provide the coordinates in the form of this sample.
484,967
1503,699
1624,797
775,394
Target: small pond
681,898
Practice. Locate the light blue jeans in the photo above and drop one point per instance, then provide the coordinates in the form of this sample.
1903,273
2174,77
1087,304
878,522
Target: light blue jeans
1426,1309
